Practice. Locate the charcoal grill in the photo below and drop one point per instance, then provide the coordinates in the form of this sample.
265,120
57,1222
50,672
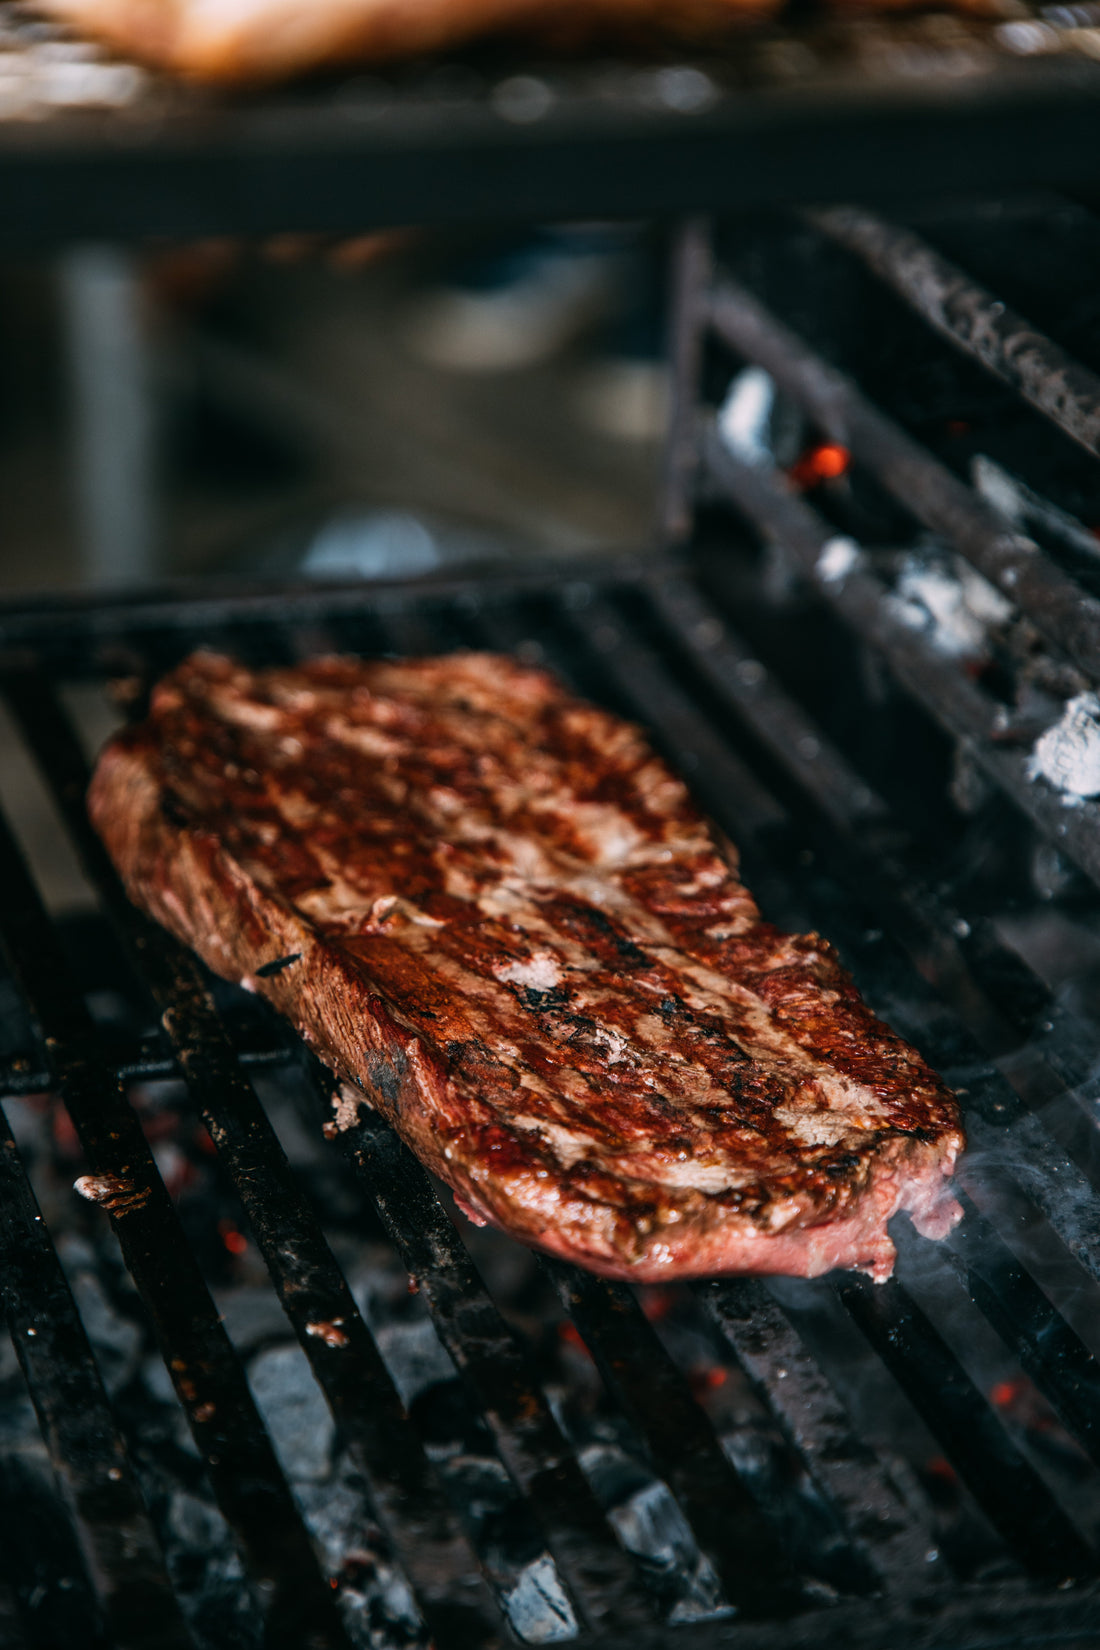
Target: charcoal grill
877,782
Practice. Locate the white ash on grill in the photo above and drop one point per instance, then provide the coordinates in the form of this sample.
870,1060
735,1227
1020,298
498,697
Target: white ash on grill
1067,755
959,610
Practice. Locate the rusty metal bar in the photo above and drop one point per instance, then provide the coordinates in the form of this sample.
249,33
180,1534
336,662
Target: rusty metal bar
973,319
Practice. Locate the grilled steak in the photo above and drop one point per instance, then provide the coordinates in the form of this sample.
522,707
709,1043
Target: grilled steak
255,41
498,916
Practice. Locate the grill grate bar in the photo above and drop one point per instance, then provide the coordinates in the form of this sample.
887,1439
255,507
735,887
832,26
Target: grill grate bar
20,1079
729,665
792,1385
1061,1366
1012,1495
723,1515
496,1368
979,324
1058,605
992,987
311,1287
691,276
85,1447
248,1482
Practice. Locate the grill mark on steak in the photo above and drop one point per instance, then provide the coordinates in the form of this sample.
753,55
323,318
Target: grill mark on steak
519,937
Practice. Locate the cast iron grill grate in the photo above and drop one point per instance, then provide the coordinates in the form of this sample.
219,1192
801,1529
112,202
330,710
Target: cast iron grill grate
741,664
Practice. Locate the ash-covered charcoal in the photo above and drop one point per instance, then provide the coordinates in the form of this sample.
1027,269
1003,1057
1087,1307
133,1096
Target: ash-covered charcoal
758,424
294,1411
960,1537
44,1587
414,1354
376,1602
959,611
650,1525
761,1452
207,1573
462,1450
537,1608
117,1341
1067,755
44,1584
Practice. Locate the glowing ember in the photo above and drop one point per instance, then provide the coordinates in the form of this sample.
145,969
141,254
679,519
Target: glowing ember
657,1303
234,1241
823,463
571,1335
706,1378
204,1142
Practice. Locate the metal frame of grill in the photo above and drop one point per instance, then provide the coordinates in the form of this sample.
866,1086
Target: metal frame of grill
797,110
659,641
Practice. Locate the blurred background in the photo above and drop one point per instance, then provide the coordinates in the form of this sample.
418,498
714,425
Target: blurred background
371,407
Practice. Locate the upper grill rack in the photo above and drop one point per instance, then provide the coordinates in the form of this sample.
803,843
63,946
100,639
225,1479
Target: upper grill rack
873,107
826,844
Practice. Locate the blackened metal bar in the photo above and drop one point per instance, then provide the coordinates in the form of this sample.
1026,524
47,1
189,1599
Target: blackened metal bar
725,1518
496,1368
791,1383
1009,1491
1056,604
973,319
230,1436
691,276
1034,1331
938,684
85,1448
700,751
733,669
35,1079
993,988
314,1293
89,632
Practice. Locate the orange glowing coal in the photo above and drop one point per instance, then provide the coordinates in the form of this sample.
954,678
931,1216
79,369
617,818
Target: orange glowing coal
706,1378
825,462
234,1241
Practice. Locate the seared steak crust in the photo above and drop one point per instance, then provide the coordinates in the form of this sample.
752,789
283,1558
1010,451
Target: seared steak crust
513,932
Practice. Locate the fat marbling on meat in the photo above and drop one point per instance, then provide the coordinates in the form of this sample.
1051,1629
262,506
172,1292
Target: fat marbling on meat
513,933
